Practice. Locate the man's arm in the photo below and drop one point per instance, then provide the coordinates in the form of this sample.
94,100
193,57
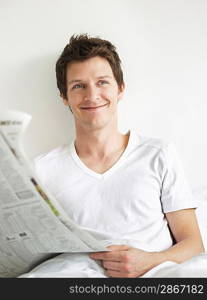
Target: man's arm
184,227
126,261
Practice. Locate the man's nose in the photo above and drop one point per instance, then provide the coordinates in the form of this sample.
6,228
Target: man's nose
91,92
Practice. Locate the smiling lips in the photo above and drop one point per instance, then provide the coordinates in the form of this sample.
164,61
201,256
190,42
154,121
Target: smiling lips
93,107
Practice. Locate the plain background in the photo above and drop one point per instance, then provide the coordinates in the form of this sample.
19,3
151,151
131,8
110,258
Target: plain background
163,47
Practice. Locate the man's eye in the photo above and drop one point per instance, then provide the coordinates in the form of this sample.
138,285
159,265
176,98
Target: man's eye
77,86
102,82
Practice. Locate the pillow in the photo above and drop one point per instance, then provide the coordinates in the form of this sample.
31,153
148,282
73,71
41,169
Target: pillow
200,195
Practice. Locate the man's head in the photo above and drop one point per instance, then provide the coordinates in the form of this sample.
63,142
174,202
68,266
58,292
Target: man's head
81,48
90,81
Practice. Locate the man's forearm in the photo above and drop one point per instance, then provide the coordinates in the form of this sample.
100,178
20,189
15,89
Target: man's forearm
180,252
127,261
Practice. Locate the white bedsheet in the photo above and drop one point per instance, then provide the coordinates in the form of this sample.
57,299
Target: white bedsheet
194,267
67,265
81,265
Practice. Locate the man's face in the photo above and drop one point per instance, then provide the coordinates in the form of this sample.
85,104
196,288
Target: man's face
92,92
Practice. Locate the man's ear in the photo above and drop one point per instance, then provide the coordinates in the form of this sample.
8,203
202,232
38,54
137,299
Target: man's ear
121,91
65,100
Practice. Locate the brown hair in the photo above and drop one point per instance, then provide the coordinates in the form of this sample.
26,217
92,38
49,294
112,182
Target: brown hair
82,47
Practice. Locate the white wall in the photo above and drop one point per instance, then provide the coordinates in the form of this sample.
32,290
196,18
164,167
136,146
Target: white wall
163,46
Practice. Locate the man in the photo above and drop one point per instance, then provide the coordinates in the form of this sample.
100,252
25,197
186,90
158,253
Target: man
125,188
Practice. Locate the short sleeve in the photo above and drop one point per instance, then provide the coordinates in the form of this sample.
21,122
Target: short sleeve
176,193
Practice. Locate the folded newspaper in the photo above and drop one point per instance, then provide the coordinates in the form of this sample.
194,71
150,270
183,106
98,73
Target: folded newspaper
33,225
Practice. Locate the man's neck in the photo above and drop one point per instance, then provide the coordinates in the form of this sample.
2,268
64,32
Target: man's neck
99,144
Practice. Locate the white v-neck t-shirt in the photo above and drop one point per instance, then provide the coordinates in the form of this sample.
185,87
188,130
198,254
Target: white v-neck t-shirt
127,203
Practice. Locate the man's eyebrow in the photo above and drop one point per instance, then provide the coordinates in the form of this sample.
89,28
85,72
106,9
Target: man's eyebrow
74,80
79,80
104,76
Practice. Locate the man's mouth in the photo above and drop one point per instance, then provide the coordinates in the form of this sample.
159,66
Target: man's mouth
93,107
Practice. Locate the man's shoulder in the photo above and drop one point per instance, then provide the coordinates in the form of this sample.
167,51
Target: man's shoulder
158,143
52,156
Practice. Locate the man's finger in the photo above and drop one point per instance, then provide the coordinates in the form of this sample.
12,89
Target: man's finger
118,247
111,265
111,255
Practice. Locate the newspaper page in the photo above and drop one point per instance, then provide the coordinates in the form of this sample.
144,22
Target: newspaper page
33,225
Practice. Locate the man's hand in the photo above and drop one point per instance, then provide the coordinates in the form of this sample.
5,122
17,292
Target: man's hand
125,261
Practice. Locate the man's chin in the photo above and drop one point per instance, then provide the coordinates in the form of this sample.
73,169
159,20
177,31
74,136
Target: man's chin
97,125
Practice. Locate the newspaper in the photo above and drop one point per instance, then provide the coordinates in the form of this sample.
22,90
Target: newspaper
33,225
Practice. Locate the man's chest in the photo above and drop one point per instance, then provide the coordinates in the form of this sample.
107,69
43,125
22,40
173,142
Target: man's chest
125,193
101,165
